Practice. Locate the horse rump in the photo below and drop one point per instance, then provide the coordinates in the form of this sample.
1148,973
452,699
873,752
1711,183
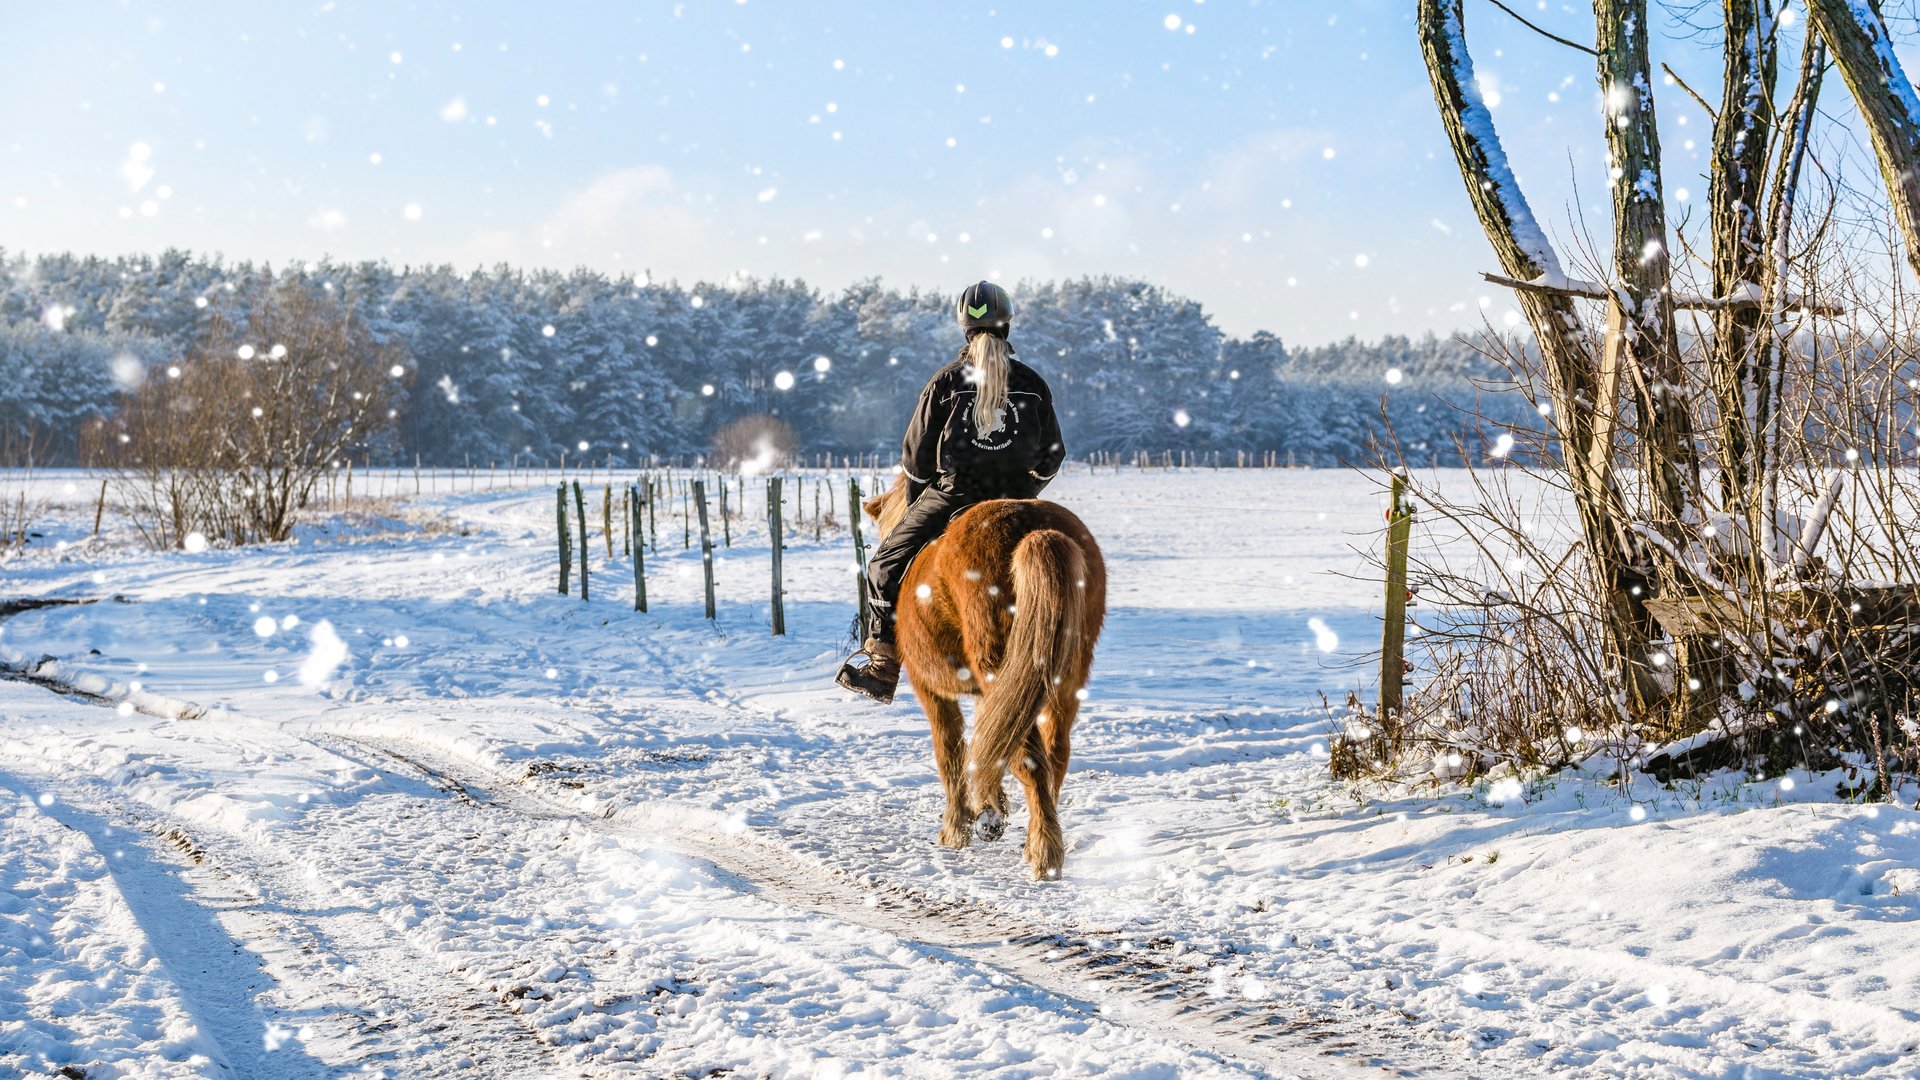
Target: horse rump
1042,647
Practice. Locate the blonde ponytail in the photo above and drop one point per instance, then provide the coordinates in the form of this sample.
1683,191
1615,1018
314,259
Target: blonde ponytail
989,354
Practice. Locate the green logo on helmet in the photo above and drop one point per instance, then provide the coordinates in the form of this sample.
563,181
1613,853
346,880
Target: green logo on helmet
978,312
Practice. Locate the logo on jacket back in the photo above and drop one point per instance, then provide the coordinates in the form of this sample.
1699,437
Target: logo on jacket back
1003,432
1000,428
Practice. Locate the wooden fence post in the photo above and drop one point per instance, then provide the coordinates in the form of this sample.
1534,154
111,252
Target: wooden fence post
639,551
779,545
99,508
1393,633
726,528
706,541
580,509
566,552
686,517
606,514
859,548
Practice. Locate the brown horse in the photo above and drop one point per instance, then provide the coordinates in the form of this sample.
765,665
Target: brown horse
1006,606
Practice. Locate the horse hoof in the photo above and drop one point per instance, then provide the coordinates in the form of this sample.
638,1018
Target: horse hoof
989,825
955,836
1045,860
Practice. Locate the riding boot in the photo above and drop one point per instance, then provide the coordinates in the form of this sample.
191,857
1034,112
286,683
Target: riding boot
879,677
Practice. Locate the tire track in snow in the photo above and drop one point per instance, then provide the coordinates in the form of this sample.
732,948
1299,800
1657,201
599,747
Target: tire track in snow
1143,991
180,920
1053,960
1130,987
345,976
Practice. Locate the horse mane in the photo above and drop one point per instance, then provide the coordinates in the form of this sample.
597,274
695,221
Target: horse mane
888,507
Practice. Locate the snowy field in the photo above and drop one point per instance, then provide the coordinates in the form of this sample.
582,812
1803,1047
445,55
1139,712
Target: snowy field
382,803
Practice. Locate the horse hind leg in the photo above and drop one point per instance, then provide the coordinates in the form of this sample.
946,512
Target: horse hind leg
1046,848
1063,708
949,757
991,824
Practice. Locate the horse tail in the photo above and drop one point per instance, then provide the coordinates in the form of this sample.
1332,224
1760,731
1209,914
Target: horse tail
1049,602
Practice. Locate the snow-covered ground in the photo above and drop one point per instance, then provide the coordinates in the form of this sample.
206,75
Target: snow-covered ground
509,833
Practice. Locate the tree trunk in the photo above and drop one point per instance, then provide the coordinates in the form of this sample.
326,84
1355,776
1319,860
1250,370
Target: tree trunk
1645,343
1781,198
1741,141
1857,36
1641,264
1582,415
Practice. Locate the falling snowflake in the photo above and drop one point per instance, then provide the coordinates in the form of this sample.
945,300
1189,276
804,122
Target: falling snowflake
327,654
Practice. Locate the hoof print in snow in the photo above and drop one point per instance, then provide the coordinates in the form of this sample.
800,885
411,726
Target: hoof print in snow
1487,1038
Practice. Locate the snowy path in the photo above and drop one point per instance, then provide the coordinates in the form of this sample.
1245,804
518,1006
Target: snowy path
514,835
1092,980
486,903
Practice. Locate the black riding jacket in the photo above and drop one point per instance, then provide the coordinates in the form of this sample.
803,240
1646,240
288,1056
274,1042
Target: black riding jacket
943,449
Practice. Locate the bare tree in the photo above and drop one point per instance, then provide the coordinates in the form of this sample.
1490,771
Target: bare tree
163,453
233,440
1708,606
1582,405
755,444
1642,330
307,385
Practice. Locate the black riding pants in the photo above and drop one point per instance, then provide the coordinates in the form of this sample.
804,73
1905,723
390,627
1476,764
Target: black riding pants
925,520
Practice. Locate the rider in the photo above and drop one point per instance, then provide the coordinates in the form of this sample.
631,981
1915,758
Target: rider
984,429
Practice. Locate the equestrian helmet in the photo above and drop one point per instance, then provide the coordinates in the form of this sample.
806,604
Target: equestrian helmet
984,307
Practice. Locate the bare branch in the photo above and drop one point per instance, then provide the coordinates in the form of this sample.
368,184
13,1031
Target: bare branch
1594,290
1858,36
1691,92
1549,35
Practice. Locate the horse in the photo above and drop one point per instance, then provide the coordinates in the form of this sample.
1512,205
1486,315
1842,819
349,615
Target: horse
1005,606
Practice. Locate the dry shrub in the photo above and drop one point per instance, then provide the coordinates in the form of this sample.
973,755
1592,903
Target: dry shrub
1507,637
20,450
231,441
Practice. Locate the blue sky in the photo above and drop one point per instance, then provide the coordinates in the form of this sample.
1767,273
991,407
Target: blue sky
1279,161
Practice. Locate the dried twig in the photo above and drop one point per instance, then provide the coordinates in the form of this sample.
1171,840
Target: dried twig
1548,34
